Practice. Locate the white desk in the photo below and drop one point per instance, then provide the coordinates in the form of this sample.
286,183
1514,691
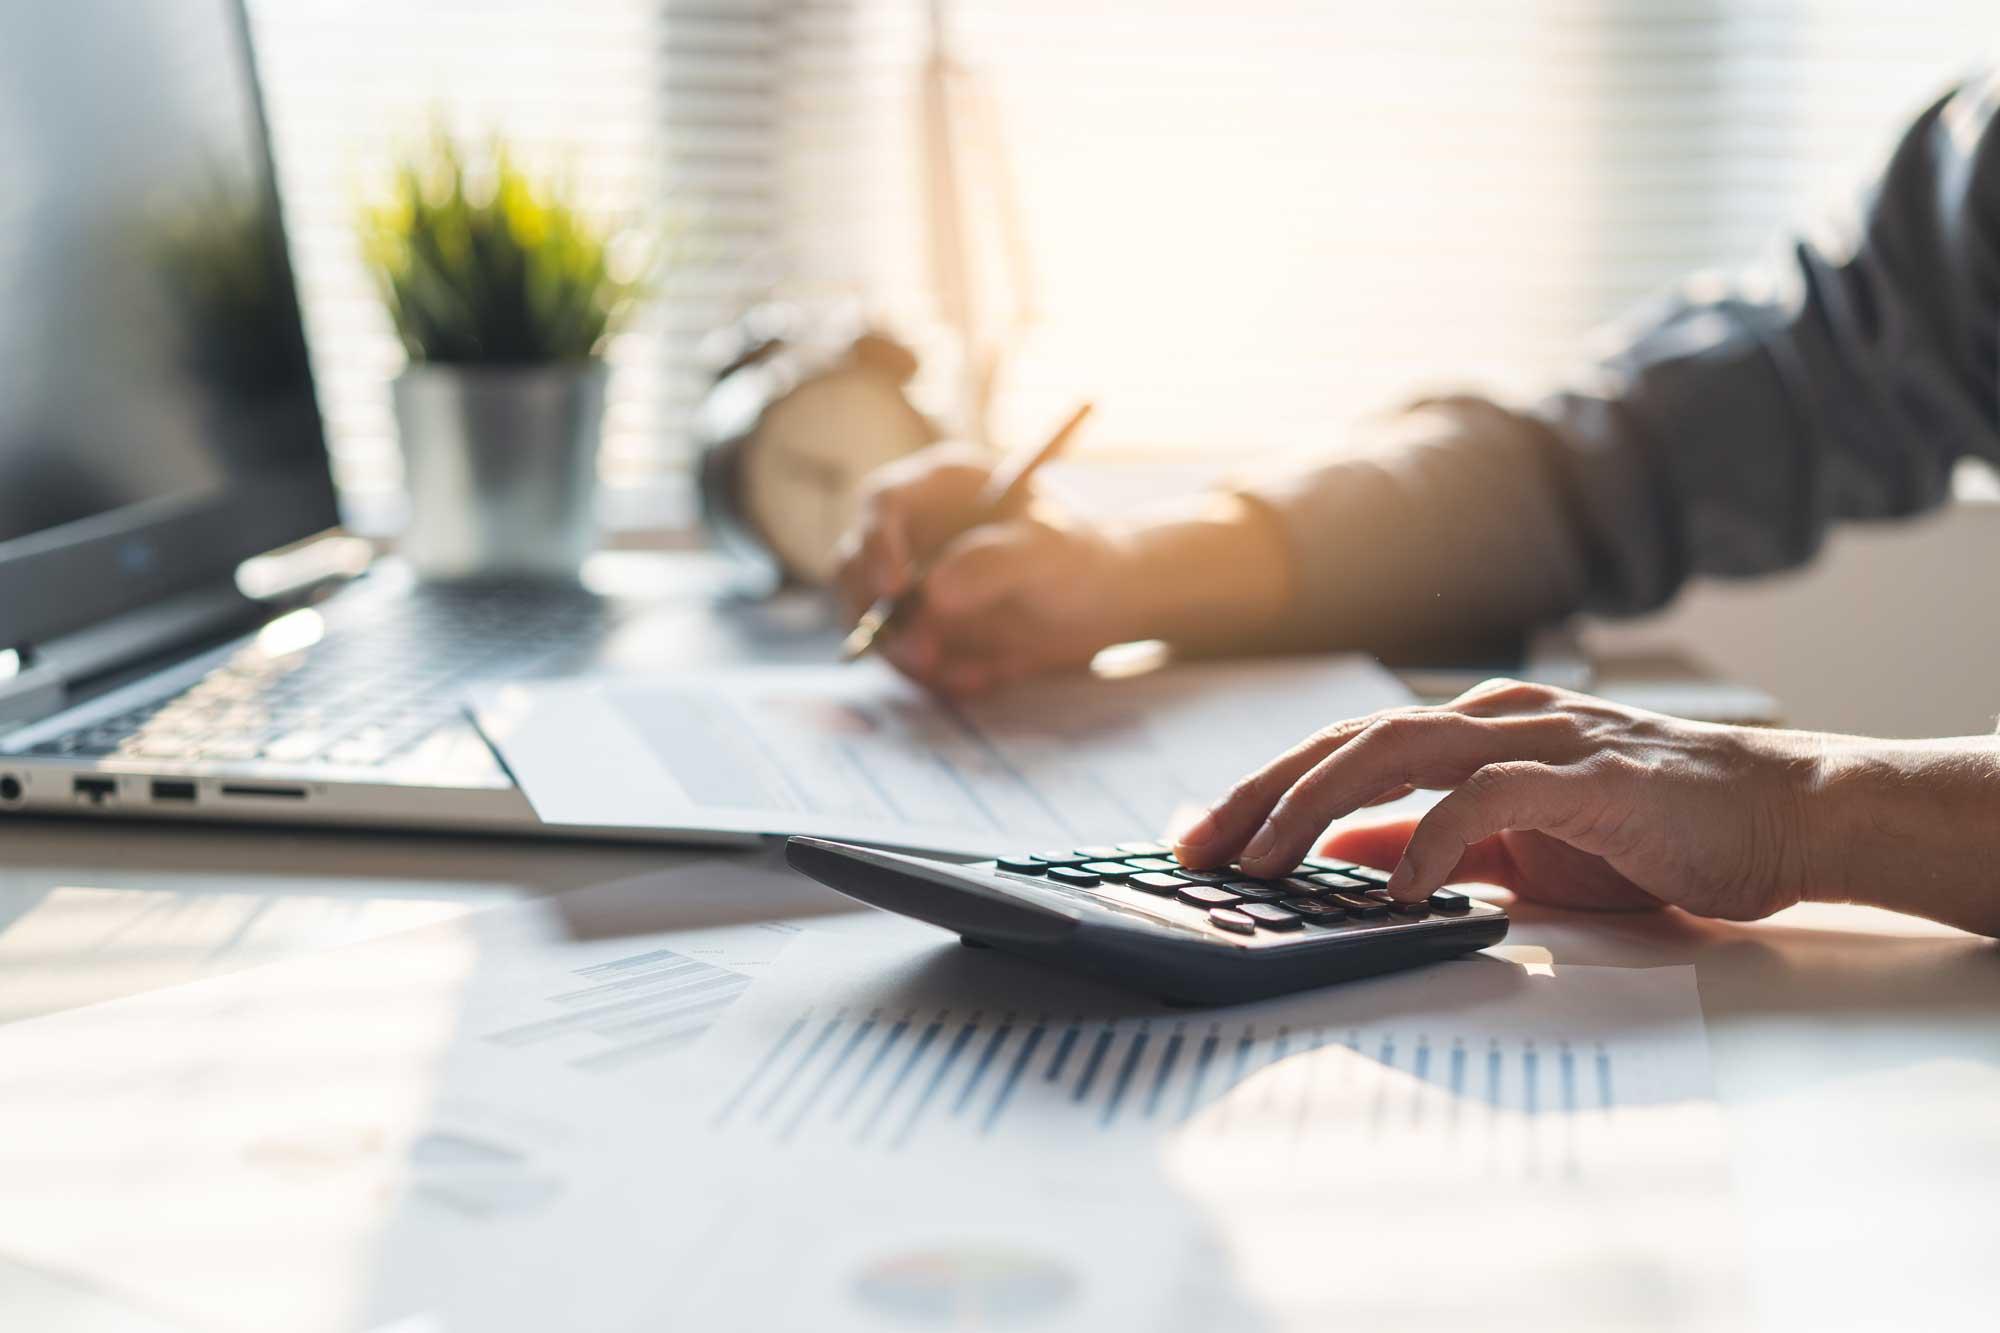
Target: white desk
1857,1053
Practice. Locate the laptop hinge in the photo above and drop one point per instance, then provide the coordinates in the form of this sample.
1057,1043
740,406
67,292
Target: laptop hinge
48,673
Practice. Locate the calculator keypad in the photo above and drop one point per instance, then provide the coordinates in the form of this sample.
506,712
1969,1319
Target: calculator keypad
1323,895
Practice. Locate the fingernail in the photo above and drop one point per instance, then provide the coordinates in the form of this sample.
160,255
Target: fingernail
1267,838
1198,834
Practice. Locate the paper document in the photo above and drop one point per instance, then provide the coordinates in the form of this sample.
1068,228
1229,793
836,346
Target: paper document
1441,1113
416,1125
858,753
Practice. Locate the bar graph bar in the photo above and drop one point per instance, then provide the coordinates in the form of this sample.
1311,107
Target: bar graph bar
894,1081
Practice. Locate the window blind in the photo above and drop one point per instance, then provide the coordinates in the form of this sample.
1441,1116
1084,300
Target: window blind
1247,223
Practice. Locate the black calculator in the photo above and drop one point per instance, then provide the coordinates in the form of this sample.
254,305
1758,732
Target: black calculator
1131,914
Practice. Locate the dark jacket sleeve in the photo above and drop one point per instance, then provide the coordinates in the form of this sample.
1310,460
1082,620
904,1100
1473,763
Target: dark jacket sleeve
1733,425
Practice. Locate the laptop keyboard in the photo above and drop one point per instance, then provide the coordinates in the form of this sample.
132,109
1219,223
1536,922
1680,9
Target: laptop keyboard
386,674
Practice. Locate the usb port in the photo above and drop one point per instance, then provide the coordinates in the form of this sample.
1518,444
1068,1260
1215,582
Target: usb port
171,789
95,790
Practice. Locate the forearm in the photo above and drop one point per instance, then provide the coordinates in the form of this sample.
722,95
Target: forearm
1208,574
1911,825
1448,534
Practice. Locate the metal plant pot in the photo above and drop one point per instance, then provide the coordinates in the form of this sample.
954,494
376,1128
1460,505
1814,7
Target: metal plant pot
501,467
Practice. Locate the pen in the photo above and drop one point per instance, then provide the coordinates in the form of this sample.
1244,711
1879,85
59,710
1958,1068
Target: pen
1004,490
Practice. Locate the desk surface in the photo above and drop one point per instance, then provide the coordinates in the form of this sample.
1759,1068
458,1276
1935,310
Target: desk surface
1857,1054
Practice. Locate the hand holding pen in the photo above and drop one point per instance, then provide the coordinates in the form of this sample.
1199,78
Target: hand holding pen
1002,495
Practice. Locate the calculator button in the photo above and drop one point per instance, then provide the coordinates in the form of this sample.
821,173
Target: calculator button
1256,891
1327,863
1379,895
1315,910
1366,908
1209,876
1339,882
1076,875
1144,848
1207,895
1022,865
1304,888
1230,919
1369,873
1101,852
1411,909
1156,863
1164,885
1115,871
1444,900
1059,858
1270,916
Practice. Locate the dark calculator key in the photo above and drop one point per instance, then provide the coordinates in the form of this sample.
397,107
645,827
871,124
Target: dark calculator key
1209,876
1207,895
1445,900
1313,909
1164,885
1270,916
1366,908
1115,871
1101,852
1379,895
1156,863
1256,890
1304,887
1061,858
1231,919
1369,873
1410,909
1327,863
1339,882
1022,865
1144,848
1081,878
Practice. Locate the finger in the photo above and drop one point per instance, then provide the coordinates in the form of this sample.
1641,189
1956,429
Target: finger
1381,846
1494,799
1503,696
1429,749
991,564
1214,838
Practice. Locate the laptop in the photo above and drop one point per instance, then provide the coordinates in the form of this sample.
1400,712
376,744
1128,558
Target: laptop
158,429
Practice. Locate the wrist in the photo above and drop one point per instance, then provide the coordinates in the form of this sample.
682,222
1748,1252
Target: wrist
1912,826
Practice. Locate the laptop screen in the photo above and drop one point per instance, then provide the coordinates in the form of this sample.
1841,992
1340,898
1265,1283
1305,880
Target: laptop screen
157,418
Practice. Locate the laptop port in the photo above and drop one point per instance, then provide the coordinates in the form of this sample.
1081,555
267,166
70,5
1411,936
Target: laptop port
263,792
10,788
172,789
94,790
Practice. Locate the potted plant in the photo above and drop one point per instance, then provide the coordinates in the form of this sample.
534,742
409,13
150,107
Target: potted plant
503,294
